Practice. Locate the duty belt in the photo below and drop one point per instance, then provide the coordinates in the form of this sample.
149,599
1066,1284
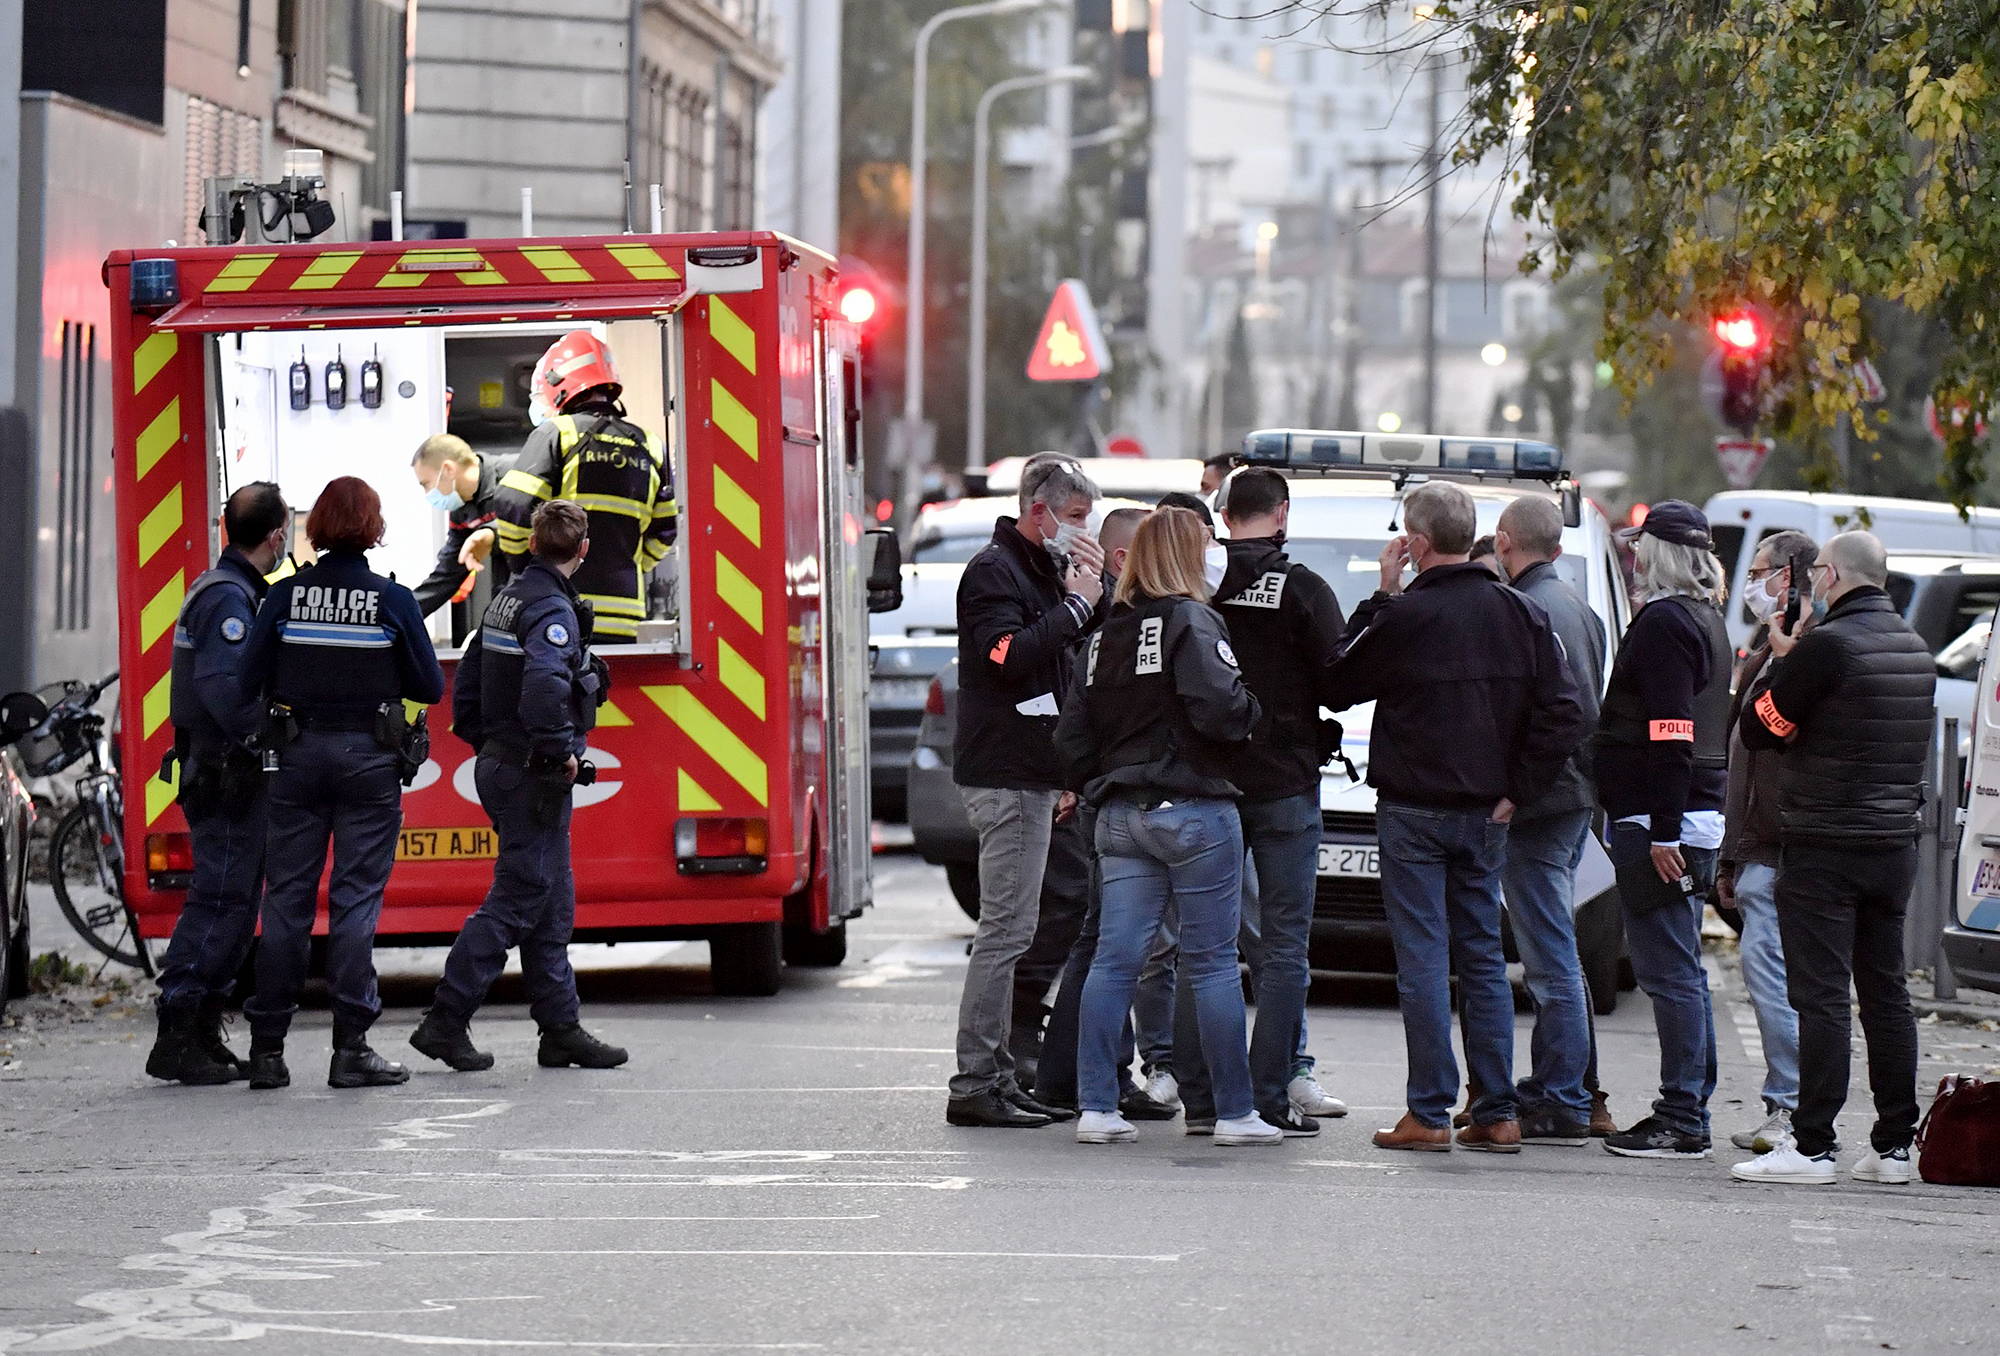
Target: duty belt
356,722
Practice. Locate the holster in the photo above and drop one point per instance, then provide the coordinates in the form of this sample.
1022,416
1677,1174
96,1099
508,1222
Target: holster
548,782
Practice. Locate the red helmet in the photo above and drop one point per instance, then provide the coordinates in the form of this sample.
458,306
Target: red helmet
574,364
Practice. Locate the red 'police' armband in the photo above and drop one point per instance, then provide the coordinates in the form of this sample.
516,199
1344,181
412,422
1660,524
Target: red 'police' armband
999,654
1767,712
1680,731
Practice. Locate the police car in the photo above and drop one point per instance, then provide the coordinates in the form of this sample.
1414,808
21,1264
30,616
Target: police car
1347,491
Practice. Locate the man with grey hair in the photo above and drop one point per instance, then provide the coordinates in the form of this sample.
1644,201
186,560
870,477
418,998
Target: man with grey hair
1475,714
1851,704
1545,844
1023,603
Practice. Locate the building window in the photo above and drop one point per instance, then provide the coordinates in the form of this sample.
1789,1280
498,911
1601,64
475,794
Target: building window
675,154
1326,112
76,470
735,149
1523,309
219,141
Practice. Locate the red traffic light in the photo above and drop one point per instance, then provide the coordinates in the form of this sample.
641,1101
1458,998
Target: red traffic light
857,305
1739,331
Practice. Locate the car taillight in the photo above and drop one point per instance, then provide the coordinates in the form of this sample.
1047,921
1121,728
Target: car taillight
169,852
934,699
695,838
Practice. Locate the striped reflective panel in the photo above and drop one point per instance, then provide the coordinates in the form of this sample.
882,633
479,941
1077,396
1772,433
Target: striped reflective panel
239,273
156,618
336,635
692,796
158,436
740,676
525,484
159,526
715,739
733,418
155,351
325,271
643,262
556,264
160,794
737,507
734,588
727,329
502,642
415,267
158,703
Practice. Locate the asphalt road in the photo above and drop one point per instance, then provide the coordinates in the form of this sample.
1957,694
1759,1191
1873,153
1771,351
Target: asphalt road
777,1175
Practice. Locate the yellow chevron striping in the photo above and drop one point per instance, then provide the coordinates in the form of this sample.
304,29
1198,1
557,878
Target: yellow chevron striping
643,262
609,714
160,525
239,273
715,739
727,329
157,617
738,507
740,677
692,797
158,703
158,436
325,271
154,353
732,418
415,276
160,794
734,587
557,265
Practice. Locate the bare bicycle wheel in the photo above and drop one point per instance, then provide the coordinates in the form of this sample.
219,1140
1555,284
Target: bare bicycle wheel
87,869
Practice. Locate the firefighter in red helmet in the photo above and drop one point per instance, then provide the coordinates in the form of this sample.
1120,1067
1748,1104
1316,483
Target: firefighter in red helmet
589,452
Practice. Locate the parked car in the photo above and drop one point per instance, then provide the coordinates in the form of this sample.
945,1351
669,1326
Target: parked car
939,828
900,670
1972,935
17,822
1143,478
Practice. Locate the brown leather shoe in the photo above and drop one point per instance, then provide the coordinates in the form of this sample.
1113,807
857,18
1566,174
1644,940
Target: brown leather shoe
1601,1124
1501,1137
1411,1133
1464,1118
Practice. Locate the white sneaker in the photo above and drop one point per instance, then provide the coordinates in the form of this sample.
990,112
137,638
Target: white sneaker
1785,1164
1766,1137
1104,1127
1890,1169
1250,1129
1310,1099
1162,1088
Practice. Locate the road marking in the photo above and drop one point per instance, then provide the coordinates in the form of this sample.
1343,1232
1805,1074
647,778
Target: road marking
400,1254
873,1049
425,1215
725,1155
882,973
1344,1163
628,1180
423,1128
1744,1019
918,1087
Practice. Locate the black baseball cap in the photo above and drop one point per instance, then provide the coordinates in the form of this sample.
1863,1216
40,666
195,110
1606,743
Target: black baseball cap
1673,520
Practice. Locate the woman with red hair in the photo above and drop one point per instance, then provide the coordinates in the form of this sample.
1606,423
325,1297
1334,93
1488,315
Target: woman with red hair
335,651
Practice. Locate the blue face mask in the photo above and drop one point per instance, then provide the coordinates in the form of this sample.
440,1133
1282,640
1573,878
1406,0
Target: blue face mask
442,501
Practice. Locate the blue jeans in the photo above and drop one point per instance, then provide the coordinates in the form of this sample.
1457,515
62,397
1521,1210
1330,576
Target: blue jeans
1441,890
1663,931
1540,874
1763,956
1153,1008
531,905
1191,851
219,916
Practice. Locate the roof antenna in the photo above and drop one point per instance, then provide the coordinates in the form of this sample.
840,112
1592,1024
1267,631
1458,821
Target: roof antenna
628,195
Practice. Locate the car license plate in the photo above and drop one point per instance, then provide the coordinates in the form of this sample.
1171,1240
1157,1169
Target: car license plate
447,845
1362,860
899,691
1986,878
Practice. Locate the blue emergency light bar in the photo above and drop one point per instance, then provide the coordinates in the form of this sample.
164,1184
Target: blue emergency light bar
1300,449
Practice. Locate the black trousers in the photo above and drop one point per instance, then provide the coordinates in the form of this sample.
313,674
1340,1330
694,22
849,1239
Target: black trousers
1840,914
1065,900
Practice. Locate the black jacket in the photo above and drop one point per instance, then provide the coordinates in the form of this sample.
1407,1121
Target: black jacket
1852,706
1016,627
335,641
526,683
1473,701
1666,709
1154,706
1285,625
206,701
466,519
1581,632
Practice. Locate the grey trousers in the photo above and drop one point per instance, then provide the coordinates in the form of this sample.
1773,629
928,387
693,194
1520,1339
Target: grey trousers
1014,829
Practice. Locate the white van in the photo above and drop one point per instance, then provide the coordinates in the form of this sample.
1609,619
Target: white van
1972,938
1739,519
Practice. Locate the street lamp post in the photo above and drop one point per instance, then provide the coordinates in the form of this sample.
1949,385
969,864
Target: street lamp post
913,342
975,374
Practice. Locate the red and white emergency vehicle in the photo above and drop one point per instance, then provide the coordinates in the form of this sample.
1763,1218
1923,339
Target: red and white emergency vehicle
732,800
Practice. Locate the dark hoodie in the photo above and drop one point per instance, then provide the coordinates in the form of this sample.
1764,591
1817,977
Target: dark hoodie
1286,627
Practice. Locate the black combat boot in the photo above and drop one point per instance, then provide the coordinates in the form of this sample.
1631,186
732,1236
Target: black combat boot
267,1063
354,1065
208,1034
449,1040
570,1044
178,1056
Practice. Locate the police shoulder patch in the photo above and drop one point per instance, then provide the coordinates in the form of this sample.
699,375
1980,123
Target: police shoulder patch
556,634
1228,655
233,629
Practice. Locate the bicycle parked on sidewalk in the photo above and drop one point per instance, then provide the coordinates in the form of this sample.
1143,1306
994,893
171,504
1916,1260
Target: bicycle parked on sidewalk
87,849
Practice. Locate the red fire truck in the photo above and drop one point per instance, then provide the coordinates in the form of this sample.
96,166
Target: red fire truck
732,802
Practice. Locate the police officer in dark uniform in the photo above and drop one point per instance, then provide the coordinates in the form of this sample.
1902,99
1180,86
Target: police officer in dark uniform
465,485
336,650
220,789
526,694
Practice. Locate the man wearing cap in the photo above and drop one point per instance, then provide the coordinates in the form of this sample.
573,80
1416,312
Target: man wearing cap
1662,759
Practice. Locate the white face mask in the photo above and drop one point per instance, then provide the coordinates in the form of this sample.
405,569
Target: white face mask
1214,564
1761,601
1065,537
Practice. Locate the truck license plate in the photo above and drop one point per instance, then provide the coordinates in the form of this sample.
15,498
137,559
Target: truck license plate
447,845
1986,878
1362,860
